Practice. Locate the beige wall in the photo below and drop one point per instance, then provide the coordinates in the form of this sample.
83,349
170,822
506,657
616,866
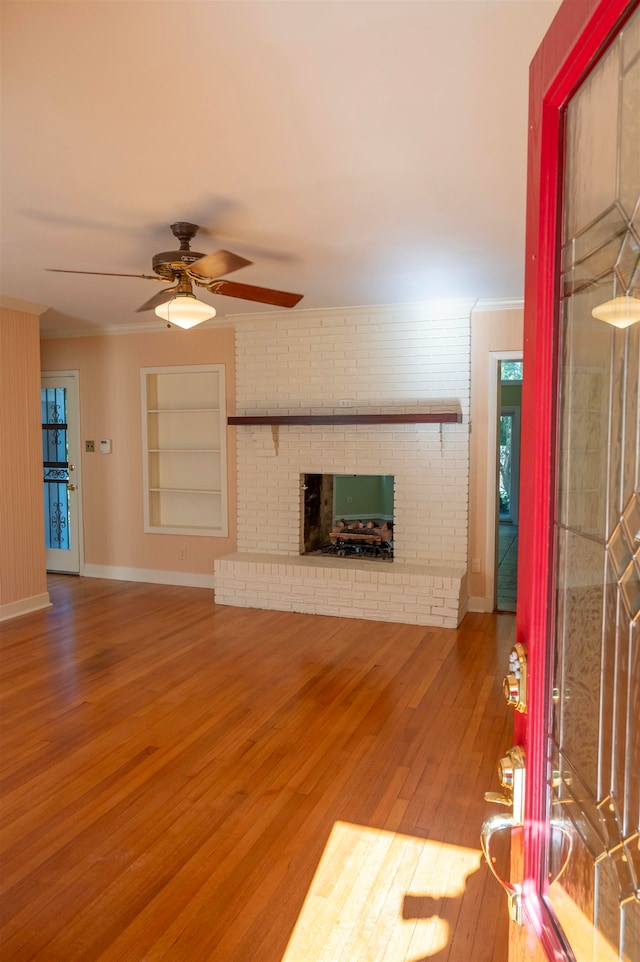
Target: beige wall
491,331
109,369
23,583
110,407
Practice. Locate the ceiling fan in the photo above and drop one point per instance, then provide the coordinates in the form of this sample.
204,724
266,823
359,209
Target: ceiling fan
183,268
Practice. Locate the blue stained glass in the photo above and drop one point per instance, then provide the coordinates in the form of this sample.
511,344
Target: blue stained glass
55,467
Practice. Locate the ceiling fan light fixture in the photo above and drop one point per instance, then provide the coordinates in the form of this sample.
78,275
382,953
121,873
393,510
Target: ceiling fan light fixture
622,311
185,311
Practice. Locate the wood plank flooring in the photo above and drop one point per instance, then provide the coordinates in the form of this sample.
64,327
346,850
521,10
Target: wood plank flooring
189,783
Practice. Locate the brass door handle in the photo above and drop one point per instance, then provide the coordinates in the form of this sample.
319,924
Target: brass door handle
511,774
515,682
499,799
71,487
500,823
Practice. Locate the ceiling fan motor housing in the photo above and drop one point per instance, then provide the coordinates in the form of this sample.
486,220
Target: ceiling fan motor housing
169,263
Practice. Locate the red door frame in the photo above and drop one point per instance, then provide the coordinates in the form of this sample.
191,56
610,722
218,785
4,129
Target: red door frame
574,42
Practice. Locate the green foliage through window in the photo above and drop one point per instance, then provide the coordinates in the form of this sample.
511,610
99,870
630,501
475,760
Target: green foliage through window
506,435
511,370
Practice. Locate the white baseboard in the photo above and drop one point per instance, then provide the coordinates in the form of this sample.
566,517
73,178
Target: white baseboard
185,579
480,604
24,606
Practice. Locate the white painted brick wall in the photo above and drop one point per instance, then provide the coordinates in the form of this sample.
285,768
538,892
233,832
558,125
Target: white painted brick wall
383,359
386,360
374,591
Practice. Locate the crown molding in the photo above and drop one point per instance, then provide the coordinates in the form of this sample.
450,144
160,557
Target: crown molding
499,304
147,327
433,310
441,309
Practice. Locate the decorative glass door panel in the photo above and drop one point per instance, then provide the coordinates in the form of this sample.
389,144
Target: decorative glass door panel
594,857
60,471
55,466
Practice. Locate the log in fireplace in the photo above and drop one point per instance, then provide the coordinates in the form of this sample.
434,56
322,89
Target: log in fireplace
350,516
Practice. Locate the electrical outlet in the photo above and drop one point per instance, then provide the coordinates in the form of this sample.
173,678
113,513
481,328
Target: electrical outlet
475,566
182,554
89,445
346,402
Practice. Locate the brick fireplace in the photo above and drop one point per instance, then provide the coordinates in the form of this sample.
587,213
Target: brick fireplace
384,360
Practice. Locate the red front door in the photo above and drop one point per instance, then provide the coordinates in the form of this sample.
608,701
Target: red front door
576,888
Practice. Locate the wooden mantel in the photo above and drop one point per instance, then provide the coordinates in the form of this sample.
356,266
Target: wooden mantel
437,417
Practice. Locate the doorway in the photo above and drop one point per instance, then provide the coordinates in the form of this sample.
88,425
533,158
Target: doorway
505,385
61,471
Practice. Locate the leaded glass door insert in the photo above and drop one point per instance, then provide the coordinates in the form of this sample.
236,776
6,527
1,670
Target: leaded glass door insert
595,759
60,472
55,465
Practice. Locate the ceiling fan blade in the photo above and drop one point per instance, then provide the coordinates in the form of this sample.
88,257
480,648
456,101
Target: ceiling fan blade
160,298
248,292
146,277
220,262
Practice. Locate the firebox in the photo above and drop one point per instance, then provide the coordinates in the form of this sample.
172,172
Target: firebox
348,515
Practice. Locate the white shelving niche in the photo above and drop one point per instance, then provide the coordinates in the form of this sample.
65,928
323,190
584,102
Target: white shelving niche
184,434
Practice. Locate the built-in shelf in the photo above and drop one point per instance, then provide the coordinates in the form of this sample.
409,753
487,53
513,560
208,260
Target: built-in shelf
184,456
438,417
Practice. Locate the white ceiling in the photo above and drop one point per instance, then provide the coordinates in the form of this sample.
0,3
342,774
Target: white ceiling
358,152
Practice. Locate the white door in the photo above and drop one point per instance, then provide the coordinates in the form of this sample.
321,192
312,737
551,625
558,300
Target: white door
61,471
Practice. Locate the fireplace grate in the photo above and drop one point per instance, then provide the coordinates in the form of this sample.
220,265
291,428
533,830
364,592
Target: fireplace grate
370,540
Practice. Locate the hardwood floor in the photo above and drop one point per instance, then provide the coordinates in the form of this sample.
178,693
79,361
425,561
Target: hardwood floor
191,783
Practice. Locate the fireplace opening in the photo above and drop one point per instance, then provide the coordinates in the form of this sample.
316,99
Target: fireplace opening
348,515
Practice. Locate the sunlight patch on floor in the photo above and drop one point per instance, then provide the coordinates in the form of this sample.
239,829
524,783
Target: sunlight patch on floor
377,897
